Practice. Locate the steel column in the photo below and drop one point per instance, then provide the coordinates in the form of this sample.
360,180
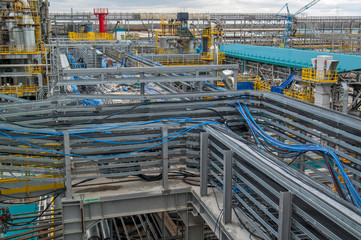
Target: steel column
285,216
227,187
68,184
204,151
165,157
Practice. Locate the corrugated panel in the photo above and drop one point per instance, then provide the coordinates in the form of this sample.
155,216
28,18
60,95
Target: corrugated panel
288,57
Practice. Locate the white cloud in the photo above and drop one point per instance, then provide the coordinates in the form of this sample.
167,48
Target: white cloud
322,8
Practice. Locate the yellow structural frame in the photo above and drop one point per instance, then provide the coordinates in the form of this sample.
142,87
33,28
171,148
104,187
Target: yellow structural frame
33,69
20,20
90,36
209,33
18,90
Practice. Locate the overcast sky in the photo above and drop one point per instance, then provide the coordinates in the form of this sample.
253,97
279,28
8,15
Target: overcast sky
322,8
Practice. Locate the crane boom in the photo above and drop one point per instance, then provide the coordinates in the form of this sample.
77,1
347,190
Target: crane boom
304,8
289,16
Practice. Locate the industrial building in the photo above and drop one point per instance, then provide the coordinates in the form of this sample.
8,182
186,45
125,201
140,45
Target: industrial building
178,125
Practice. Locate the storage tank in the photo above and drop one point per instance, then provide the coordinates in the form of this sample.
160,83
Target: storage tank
29,33
29,38
18,38
163,44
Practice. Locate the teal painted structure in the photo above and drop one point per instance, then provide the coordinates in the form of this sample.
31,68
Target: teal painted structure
18,209
286,57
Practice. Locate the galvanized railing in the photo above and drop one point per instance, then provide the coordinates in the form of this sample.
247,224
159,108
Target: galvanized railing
276,202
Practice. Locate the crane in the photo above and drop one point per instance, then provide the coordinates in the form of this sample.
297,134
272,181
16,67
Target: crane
289,17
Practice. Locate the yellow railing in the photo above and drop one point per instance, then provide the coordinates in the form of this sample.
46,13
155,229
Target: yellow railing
207,56
90,36
262,86
33,69
169,28
221,57
18,90
187,61
245,78
167,51
304,96
27,20
6,50
17,6
249,78
207,32
131,36
319,76
27,189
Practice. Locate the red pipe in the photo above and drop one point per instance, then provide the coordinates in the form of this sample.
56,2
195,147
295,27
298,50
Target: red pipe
101,23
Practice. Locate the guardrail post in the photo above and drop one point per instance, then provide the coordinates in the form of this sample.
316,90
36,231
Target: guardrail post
235,81
68,186
165,157
204,163
227,187
142,85
285,216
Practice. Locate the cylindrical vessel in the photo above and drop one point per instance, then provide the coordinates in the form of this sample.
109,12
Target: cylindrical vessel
29,38
101,23
105,229
163,44
93,233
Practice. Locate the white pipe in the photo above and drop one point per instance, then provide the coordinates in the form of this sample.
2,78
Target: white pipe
24,4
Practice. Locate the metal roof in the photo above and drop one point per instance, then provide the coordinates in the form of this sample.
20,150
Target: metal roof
288,57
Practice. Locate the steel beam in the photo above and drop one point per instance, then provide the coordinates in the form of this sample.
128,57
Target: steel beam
136,80
152,70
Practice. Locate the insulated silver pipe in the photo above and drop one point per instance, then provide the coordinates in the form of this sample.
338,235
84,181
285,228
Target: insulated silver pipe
93,233
105,229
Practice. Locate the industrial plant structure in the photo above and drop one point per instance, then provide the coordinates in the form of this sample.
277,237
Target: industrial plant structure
178,125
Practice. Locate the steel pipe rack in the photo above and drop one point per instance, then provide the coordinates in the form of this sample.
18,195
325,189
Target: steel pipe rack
260,181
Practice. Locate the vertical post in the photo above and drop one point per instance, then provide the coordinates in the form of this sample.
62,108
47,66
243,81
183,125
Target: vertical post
163,226
301,163
235,80
204,163
67,165
142,85
285,216
214,74
165,157
345,96
227,187
198,85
